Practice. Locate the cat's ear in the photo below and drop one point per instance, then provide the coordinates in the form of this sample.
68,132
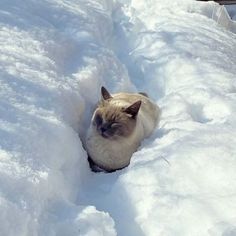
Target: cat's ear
105,94
133,109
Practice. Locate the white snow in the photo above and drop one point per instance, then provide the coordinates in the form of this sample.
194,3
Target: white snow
54,57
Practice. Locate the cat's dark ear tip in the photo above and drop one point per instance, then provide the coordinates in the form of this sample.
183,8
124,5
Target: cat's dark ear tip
133,109
105,94
137,104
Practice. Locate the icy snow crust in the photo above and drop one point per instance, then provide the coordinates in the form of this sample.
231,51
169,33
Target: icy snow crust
55,55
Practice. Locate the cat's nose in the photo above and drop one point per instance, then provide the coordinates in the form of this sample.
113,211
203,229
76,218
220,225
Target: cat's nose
103,129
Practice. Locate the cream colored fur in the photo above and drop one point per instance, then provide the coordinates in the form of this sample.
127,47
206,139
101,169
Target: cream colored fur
112,154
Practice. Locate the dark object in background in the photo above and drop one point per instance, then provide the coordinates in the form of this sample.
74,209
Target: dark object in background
222,2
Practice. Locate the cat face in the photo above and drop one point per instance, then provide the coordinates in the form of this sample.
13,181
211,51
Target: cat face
113,122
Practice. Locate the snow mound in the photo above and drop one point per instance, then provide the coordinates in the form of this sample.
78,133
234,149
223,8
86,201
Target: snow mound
55,56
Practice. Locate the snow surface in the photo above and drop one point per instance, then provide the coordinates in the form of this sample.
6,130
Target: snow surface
54,57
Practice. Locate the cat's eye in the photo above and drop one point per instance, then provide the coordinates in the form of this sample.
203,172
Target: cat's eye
98,120
115,125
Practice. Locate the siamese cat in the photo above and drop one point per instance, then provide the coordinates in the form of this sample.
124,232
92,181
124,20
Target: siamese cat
119,124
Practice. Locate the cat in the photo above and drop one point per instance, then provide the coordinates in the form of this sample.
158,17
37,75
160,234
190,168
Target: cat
119,124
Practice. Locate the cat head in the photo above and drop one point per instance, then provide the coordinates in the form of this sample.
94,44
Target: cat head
112,121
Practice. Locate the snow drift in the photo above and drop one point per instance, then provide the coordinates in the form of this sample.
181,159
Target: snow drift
55,56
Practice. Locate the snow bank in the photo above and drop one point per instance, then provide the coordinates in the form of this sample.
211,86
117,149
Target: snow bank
43,164
55,55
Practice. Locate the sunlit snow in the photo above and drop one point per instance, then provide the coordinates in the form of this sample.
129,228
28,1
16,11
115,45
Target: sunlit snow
54,57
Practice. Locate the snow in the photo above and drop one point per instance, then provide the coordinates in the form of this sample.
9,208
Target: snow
55,56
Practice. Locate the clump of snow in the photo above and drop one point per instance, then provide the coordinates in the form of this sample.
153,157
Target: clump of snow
55,56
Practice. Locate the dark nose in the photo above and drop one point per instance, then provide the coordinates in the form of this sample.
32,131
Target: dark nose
103,129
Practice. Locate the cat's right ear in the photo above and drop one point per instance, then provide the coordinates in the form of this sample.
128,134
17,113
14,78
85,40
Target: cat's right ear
133,109
105,94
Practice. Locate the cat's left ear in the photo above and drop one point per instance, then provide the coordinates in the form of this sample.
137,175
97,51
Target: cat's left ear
133,109
105,94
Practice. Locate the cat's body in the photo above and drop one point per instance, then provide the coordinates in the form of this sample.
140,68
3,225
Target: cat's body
119,124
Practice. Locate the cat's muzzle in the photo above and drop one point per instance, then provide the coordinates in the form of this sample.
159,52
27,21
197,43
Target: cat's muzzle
103,131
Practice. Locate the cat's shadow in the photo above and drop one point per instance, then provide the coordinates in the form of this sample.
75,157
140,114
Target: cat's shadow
96,169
